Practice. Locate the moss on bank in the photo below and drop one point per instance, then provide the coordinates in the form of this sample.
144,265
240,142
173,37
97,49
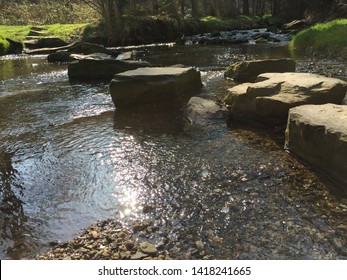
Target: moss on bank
330,37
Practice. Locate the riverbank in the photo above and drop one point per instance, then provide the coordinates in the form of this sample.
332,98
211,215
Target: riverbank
328,39
18,34
133,30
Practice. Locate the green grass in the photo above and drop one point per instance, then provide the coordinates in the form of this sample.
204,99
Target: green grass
16,33
63,31
330,36
66,32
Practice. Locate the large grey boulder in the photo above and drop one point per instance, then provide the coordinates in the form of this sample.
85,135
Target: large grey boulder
271,97
100,66
344,102
204,111
318,135
247,71
153,84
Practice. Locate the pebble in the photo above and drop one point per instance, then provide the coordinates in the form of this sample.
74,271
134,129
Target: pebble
148,248
139,256
105,240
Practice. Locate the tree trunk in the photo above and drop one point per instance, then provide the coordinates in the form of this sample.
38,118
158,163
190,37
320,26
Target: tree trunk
195,9
276,8
155,7
182,6
245,7
214,8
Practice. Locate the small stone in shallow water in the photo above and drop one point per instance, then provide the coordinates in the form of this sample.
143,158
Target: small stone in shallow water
199,244
94,234
148,248
139,256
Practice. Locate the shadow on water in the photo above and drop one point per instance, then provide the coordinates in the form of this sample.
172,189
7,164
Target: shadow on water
157,119
12,220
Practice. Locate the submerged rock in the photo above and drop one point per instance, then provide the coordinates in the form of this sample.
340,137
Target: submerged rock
203,111
148,248
247,71
99,66
153,84
271,97
318,135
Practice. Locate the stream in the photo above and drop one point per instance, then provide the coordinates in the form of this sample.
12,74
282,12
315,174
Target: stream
68,159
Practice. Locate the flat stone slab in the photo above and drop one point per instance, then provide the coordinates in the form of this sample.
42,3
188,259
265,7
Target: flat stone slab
247,71
154,84
99,66
270,98
318,135
44,42
204,111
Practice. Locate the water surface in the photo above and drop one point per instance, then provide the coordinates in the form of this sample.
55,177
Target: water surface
68,159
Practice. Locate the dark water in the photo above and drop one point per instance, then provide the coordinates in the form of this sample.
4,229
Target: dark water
67,159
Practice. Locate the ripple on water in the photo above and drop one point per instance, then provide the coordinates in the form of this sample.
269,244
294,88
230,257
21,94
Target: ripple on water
68,158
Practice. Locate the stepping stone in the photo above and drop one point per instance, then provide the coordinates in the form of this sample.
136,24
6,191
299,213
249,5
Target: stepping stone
318,135
154,84
100,66
270,98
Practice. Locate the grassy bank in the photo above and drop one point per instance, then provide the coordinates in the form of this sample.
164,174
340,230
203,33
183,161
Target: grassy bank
330,37
67,32
132,30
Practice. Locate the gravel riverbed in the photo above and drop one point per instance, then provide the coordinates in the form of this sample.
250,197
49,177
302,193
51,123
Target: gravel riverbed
108,240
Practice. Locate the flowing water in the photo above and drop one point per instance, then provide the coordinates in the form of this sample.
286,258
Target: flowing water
68,159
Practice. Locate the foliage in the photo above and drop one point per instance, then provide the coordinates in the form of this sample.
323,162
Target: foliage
143,21
45,12
330,36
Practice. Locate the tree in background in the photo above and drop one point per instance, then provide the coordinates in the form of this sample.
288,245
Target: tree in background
111,11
